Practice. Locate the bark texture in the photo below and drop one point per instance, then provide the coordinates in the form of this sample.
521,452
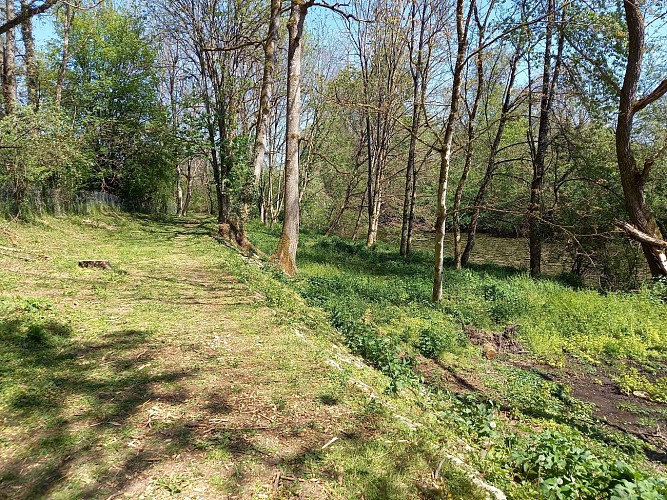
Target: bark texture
32,78
285,254
9,88
633,178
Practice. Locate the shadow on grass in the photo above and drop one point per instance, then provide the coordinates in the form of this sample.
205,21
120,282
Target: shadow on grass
77,419
70,402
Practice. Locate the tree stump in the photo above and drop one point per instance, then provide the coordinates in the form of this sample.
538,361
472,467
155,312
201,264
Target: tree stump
95,264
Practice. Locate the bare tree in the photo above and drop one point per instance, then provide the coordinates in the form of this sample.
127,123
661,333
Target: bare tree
422,31
470,132
508,105
68,20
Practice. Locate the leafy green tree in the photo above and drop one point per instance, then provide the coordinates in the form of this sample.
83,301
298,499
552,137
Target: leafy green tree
41,160
110,88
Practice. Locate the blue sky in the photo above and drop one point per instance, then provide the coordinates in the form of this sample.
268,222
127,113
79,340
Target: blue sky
43,30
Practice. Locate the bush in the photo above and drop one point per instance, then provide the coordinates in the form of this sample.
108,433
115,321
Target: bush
43,162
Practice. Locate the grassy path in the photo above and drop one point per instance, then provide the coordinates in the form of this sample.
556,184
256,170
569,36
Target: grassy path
163,376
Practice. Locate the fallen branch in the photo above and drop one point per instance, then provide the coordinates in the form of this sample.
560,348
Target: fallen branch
330,442
638,235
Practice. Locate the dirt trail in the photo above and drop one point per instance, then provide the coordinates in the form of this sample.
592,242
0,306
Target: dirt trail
179,381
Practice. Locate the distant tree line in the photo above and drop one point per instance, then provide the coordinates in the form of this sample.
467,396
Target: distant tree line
536,118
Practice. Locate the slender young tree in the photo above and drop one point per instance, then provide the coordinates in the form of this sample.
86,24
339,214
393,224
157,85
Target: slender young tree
463,20
505,114
68,19
420,39
539,150
470,134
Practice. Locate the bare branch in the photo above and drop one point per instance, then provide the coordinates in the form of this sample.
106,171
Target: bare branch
638,235
26,14
657,93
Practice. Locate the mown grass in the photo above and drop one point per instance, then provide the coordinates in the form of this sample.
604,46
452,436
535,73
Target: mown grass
381,303
187,371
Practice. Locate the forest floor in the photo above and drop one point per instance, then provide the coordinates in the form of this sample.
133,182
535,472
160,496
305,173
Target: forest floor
187,370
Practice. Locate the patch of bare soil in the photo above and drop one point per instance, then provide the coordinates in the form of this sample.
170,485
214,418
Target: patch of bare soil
627,413
494,343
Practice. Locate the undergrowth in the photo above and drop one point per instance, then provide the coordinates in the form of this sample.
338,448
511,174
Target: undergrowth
531,436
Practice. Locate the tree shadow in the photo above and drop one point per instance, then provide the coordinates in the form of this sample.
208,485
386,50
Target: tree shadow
68,400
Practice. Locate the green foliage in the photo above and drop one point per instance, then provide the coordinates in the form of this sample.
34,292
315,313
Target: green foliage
42,160
383,352
434,342
563,467
111,89
504,302
474,415
532,395
395,294
631,380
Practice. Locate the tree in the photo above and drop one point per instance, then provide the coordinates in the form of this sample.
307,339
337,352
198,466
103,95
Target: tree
539,148
266,90
644,227
422,31
32,77
285,254
9,87
463,20
110,87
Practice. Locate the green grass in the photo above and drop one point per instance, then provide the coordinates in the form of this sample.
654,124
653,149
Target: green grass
394,293
189,370
186,371
381,303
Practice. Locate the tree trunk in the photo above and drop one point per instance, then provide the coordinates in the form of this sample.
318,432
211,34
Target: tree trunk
32,77
266,90
462,26
357,223
179,192
470,129
417,70
289,238
549,81
9,92
335,222
210,130
633,179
